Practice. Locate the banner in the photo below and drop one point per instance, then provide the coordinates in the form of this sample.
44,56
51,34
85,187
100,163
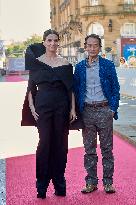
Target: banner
16,64
129,52
2,51
127,80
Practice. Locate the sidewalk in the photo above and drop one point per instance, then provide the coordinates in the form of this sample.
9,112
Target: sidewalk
125,126
17,141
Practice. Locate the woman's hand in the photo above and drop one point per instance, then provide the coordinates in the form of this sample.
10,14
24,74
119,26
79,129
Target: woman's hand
72,115
31,105
35,114
73,112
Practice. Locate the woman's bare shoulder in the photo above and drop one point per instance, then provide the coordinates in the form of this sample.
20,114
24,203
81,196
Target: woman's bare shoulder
63,60
41,58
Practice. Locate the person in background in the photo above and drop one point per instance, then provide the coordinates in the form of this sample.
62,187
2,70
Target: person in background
96,90
49,105
123,63
103,55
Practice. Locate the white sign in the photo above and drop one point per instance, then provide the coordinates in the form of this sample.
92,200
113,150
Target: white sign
16,64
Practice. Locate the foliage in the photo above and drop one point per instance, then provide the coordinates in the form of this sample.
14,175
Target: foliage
17,49
33,39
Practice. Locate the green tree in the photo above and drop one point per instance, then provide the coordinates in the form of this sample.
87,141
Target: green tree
33,39
17,49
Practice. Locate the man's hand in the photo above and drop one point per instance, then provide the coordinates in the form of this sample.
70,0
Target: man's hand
113,113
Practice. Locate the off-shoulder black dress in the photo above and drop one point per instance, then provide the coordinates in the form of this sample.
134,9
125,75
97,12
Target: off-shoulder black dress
51,89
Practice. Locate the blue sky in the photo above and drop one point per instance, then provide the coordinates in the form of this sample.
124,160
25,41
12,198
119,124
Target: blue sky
19,19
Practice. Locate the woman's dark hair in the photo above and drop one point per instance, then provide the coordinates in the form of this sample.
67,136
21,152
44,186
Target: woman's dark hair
48,32
93,36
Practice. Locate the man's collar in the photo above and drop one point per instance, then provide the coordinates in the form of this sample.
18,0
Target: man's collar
93,61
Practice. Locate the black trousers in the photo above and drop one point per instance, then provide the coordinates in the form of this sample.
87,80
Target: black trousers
51,154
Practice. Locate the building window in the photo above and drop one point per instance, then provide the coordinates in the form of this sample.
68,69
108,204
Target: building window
68,10
96,28
128,1
94,2
128,29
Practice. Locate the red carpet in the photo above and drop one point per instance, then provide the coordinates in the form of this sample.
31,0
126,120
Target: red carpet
20,176
13,78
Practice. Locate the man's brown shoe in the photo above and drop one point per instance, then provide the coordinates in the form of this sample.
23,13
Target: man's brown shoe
89,188
108,188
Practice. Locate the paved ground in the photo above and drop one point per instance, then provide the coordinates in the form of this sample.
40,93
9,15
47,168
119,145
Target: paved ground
125,126
2,182
16,140
13,138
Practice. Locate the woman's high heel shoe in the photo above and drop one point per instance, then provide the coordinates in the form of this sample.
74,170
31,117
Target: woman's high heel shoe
60,186
41,189
60,193
41,194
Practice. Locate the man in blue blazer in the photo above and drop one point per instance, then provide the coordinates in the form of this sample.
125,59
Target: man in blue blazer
97,94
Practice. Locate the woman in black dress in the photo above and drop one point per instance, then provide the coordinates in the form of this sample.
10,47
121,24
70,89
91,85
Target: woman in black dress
51,102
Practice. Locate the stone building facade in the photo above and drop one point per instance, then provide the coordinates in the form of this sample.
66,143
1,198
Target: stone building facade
112,20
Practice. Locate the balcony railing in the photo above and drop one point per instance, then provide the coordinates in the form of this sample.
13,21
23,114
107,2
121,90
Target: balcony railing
52,12
72,18
127,8
92,10
64,4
